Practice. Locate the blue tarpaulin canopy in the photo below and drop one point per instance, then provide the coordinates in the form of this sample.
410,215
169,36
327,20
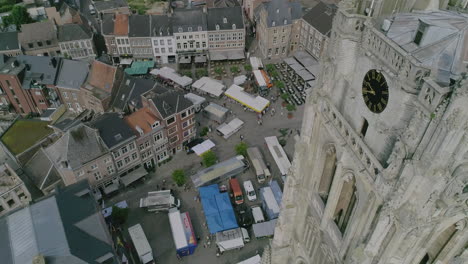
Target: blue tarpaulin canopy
218,209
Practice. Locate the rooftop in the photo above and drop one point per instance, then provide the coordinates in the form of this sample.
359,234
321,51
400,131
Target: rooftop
23,134
280,12
41,69
139,26
121,25
71,32
78,146
189,20
141,121
112,129
131,89
225,18
9,41
107,24
320,17
161,26
102,76
109,5
65,228
41,171
72,74
39,31
8,179
169,103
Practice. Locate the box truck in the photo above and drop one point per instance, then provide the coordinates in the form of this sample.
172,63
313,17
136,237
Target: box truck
145,254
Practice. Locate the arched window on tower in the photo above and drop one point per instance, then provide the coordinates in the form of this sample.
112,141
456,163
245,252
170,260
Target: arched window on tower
438,245
346,203
328,173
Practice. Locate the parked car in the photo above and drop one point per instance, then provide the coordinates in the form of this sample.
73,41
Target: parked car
188,147
249,191
244,215
258,214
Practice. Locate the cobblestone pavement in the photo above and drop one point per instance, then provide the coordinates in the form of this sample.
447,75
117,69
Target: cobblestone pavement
156,226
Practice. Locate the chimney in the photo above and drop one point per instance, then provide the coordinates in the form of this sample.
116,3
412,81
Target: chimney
54,62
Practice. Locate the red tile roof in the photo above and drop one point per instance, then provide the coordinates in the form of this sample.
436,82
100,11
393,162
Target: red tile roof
142,118
121,25
102,76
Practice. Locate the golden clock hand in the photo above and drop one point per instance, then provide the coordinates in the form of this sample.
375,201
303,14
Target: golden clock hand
368,91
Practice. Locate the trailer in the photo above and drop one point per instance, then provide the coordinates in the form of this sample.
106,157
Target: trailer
226,130
220,171
215,112
277,193
182,232
264,229
279,155
159,201
253,260
141,244
232,239
269,203
258,164
256,63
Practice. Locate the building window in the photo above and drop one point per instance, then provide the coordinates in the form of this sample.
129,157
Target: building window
185,124
116,154
163,50
217,27
107,160
157,137
185,45
124,149
420,33
189,29
169,42
134,156
186,133
171,120
170,50
155,42
365,126
94,166
200,28
174,139
110,169
283,50
80,173
161,42
97,175
131,146
127,160
65,95
119,164
147,144
269,52
277,51
172,130
141,147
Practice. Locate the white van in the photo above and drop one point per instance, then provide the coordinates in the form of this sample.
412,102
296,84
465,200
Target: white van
245,235
249,190
92,11
258,214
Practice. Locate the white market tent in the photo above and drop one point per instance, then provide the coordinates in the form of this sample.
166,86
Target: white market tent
230,128
171,74
259,77
253,260
239,80
256,103
256,63
126,62
203,147
278,154
210,86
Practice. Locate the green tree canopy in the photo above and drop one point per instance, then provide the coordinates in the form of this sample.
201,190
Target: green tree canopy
291,107
241,149
209,158
248,67
18,16
285,96
119,215
179,177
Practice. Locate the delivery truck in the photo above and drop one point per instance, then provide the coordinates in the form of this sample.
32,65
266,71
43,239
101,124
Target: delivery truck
232,239
142,247
182,232
159,201
220,171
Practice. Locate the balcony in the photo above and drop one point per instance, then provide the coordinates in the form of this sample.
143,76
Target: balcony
353,140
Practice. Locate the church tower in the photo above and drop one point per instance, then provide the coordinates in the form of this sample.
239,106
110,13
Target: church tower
380,174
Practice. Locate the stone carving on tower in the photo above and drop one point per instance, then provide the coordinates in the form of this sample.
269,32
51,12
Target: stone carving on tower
380,174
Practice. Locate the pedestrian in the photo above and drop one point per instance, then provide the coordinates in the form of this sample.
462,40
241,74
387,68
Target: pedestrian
198,239
178,256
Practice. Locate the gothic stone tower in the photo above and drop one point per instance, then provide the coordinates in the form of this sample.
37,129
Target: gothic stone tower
380,174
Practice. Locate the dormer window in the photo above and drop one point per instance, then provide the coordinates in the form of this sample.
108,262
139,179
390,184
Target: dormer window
155,124
180,30
200,28
420,33
277,11
189,29
233,26
285,21
225,20
273,23
217,27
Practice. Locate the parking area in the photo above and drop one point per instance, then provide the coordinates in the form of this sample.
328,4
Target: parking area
156,225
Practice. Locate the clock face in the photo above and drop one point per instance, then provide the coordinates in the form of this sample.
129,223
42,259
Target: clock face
375,91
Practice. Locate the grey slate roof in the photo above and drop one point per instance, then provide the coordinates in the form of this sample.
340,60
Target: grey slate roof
169,102
280,10
222,3
39,31
161,26
70,32
139,26
443,46
9,41
112,129
233,15
72,74
186,18
43,69
130,90
78,146
52,228
41,171
321,17
107,24
109,5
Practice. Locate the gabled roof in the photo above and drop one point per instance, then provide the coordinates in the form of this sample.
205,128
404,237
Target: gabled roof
320,17
70,32
112,129
131,89
109,5
102,76
107,24
53,228
222,3
169,103
39,31
41,69
139,26
189,18
143,119
78,146
161,26
121,25
279,11
9,41
72,74
225,18
41,171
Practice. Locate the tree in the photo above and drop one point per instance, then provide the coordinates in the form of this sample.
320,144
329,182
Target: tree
204,131
241,149
119,215
291,107
218,70
279,84
285,96
179,177
248,67
201,72
18,16
234,69
270,67
209,158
